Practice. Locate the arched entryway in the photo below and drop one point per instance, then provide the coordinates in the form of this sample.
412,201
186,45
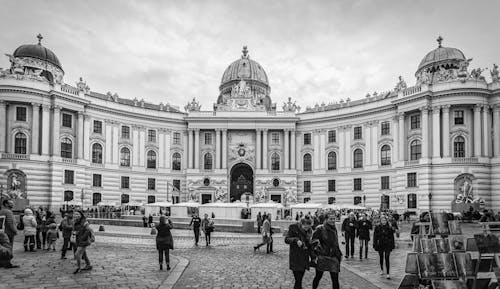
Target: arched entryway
241,181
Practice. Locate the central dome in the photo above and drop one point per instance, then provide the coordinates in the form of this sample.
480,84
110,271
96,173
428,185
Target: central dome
38,51
446,57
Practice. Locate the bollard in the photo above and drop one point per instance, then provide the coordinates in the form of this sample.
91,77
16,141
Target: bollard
101,228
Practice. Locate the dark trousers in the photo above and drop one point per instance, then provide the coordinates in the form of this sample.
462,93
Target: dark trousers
29,241
196,235
349,243
333,275
207,237
37,238
161,252
67,245
363,243
384,254
298,275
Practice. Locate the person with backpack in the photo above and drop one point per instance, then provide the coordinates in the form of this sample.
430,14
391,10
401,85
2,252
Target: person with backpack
84,237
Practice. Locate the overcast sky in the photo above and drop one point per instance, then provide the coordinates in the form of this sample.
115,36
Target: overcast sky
312,51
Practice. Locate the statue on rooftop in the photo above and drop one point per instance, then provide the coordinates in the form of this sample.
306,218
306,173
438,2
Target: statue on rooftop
401,85
494,73
192,106
82,86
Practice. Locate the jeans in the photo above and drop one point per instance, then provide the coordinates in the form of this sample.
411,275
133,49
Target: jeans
333,275
165,252
207,237
29,241
196,235
384,254
81,252
349,243
298,275
67,245
363,243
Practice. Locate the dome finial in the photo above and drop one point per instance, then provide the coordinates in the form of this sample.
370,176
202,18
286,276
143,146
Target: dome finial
439,40
245,52
40,37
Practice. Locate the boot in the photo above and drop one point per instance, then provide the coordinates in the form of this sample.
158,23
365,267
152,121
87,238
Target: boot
168,266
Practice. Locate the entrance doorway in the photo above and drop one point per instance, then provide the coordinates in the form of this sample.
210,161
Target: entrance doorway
241,181
206,198
276,198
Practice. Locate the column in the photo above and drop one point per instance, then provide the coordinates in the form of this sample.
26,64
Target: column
224,149
3,126
367,136
401,135
292,150
35,128
108,134
316,149
347,147
322,148
197,149
86,137
496,130
395,144
436,132
80,136
56,118
477,130
264,150
217,149
425,132
185,148
298,148
115,148
258,148
341,154
374,140
287,149
135,145
190,152
161,148
167,148
486,131
142,146
446,131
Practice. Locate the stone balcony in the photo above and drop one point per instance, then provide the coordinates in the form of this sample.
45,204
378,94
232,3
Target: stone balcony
412,163
465,160
68,160
12,156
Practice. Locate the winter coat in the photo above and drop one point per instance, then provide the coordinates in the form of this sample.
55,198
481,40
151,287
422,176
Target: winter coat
364,227
5,249
207,226
299,256
66,228
83,234
383,238
52,235
195,222
327,241
164,238
349,227
266,228
10,222
29,222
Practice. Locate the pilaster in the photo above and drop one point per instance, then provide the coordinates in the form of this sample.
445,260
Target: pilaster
35,128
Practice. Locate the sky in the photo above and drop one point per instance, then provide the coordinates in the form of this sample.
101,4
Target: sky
312,51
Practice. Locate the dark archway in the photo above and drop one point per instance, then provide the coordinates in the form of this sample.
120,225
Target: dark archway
241,181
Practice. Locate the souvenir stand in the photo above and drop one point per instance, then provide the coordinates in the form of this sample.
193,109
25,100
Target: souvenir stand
155,209
272,208
184,210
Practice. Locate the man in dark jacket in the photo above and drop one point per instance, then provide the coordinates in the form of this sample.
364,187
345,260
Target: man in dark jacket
5,252
66,227
10,222
196,223
364,227
349,227
299,238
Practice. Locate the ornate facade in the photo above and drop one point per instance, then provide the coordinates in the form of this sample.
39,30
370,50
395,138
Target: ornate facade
420,147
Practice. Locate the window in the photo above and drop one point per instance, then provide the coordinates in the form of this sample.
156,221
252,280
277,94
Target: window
358,132
125,132
357,184
459,116
275,138
385,155
97,180
66,148
68,196
385,128
307,138
384,183
415,150
331,200
307,186
96,198
176,162
332,161
415,121
96,153
411,180
151,160
307,162
358,158
151,135
177,138
331,186
207,161
67,120
98,126
275,162
208,138
151,184
177,185
69,177
151,199
459,147
20,143
21,113
125,157
357,200
332,136
125,198
125,183
306,200
412,201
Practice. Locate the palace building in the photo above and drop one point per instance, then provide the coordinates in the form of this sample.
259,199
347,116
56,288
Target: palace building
416,148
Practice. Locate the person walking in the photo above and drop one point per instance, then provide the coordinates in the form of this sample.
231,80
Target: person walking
259,222
30,228
6,252
299,239
207,226
266,234
52,236
349,227
271,240
164,241
39,217
150,220
326,251
83,240
10,222
145,221
383,243
363,234
196,223
66,227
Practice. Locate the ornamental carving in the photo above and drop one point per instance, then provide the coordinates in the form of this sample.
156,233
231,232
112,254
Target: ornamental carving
241,152
464,190
290,106
241,98
192,106
31,69
16,184
494,74
82,86
400,86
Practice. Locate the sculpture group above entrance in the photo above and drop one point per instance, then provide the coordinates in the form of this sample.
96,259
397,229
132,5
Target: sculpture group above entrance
241,98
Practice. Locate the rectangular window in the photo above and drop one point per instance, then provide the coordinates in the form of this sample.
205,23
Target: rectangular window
411,180
177,138
358,132
97,180
67,120
307,186
307,138
69,177
21,113
275,138
177,185
332,136
331,185
331,200
98,126
459,116
412,201
125,132
384,183
151,184
385,128
125,183
151,135
415,121
208,138
357,184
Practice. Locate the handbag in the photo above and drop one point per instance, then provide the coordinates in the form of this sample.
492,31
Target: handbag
72,239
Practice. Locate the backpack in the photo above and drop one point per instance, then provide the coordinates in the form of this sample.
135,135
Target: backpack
20,225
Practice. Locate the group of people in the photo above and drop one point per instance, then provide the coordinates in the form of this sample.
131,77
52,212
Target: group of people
206,225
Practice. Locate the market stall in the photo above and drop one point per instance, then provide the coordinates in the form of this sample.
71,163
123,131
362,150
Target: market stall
275,209
223,210
156,209
184,210
305,208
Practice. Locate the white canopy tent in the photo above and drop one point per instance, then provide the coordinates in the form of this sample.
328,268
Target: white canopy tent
106,203
154,208
184,209
223,210
305,208
332,207
270,207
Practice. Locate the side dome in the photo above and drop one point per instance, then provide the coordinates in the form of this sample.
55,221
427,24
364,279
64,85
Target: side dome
445,57
38,51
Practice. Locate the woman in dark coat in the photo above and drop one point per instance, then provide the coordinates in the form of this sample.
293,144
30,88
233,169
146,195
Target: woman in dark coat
363,233
83,240
327,252
164,241
383,242
299,239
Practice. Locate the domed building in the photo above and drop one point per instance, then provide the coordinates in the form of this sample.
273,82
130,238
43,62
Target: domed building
431,146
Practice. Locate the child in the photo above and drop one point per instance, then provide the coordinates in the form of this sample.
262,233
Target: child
52,236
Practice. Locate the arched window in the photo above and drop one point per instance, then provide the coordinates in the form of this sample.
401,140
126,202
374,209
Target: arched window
385,155
307,163
275,162
415,150
207,161
176,162
20,143
151,160
66,148
459,147
125,157
332,161
97,153
358,158
96,198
